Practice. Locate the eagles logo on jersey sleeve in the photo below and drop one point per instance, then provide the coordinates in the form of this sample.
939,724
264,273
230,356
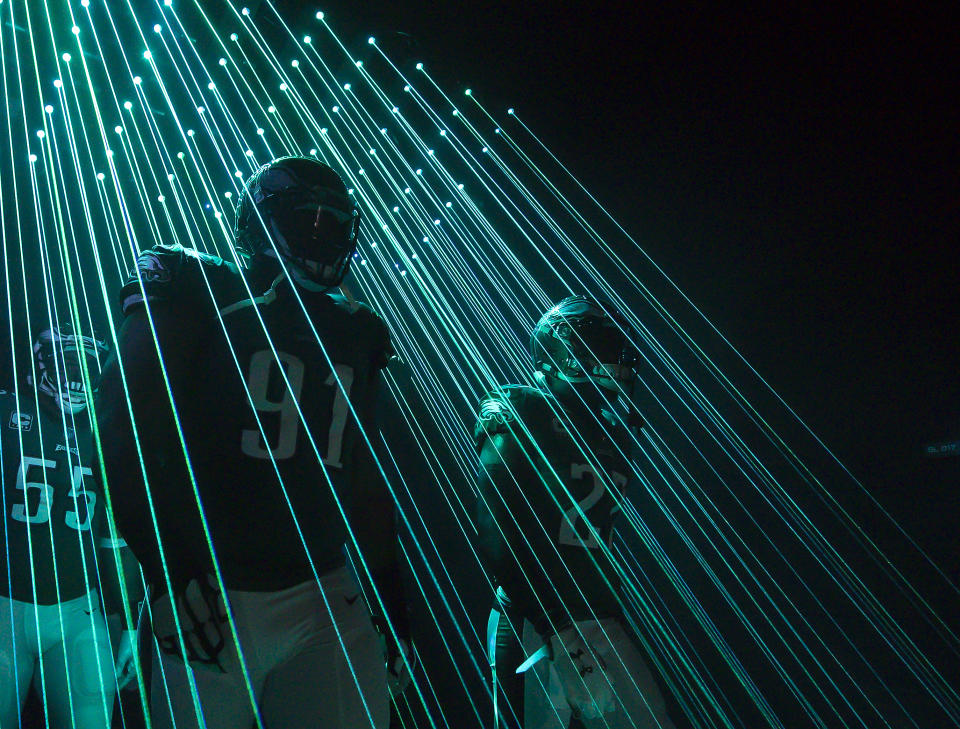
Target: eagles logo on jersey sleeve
496,412
166,273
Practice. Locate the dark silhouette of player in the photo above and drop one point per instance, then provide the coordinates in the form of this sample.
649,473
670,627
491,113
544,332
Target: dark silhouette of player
252,388
60,559
554,460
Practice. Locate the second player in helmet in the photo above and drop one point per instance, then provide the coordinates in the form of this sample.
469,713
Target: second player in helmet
554,464
60,559
274,379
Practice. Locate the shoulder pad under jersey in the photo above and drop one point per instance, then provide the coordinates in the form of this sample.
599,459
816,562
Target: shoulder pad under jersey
500,409
372,324
168,273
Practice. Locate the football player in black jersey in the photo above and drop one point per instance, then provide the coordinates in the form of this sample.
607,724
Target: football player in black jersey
252,387
59,553
554,461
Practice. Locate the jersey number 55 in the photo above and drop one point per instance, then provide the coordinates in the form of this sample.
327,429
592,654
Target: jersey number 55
74,519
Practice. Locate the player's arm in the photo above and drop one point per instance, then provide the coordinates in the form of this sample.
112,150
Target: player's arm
121,583
375,528
136,416
504,473
373,516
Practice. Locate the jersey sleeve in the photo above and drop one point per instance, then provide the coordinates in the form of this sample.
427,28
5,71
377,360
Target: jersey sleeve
176,275
499,412
381,350
505,466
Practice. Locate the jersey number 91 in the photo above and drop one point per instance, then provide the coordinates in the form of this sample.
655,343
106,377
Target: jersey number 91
255,442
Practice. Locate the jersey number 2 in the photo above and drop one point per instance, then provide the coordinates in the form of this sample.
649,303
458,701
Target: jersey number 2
258,379
568,523
20,512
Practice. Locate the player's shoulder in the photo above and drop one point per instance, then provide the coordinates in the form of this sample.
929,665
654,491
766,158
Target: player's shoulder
506,408
173,273
357,311
369,326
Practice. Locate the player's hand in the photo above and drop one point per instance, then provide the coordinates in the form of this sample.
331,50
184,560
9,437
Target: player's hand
125,667
399,655
202,620
401,660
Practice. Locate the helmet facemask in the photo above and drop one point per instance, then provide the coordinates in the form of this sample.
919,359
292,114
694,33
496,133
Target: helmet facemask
580,341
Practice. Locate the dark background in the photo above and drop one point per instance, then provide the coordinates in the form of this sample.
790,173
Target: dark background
794,170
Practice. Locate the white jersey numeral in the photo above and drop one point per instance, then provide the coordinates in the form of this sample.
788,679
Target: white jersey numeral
258,379
79,492
20,512
341,408
568,524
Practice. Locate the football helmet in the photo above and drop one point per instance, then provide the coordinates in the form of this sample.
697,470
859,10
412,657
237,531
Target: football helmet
299,207
582,339
59,371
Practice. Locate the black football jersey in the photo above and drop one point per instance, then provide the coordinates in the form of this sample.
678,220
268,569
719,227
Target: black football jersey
546,508
269,410
52,509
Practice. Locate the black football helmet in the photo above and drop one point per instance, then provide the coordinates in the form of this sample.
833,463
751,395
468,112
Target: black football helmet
300,207
59,371
582,339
